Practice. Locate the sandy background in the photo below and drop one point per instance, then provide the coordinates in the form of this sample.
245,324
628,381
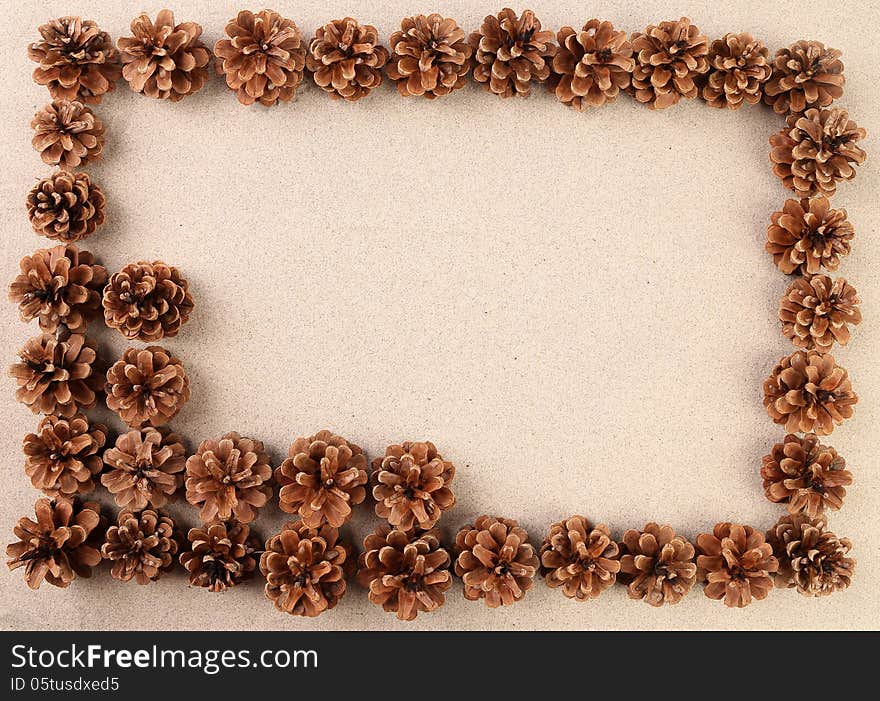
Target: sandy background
576,308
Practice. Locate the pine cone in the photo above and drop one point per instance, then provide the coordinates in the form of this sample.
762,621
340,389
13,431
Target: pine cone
141,546
411,485
429,56
808,476
322,477
147,301
67,134
495,561
147,386
807,391
580,558
263,59
66,206
511,52
229,477
817,311
164,60
64,454
593,65
60,286
145,468
77,60
57,377
305,569
738,69
816,151
811,558
346,59
807,235
805,75
58,546
220,555
657,565
736,564
670,58
406,572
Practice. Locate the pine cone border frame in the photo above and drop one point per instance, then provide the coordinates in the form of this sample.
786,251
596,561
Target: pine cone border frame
63,456
229,478
816,311
321,479
57,377
66,206
141,546
805,475
263,58
346,59
411,485
736,563
495,561
67,134
581,559
145,468
808,235
407,572
220,555
670,58
657,565
805,75
809,392
738,69
591,66
147,386
816,151
77,61
305,569
147,301
58,546
511,52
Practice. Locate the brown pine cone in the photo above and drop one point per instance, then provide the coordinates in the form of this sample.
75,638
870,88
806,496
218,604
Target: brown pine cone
59,545
592,66
64,454
511,52
57,377
321,479
147,301
817,311
657,565
670,57
141,546
736,564
147,386
811,558
346,59
163,59
816,151
66,206
305,569
145,468
580,558
807,235
263,59
808,391
67,134
738,69
495,561
805,75
229,477
808,476
77,60
411,485
429,56
405,571
59,286
220,555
